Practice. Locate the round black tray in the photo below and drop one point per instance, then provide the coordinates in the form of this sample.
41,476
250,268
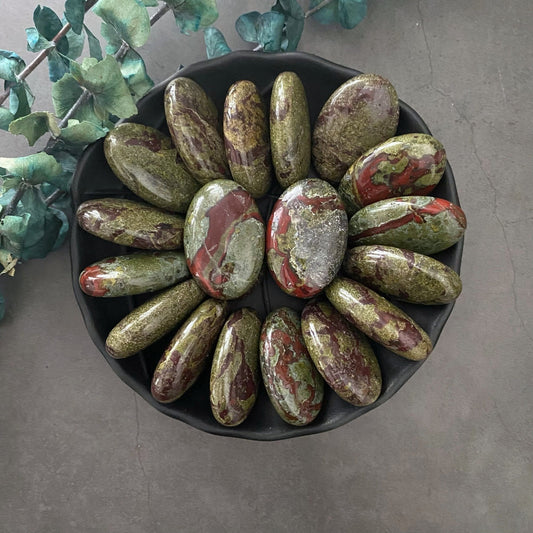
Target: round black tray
94,179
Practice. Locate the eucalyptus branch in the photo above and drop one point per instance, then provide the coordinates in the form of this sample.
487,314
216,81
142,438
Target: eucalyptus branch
318,7
11,206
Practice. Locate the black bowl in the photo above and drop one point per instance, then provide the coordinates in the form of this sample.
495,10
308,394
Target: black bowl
94,179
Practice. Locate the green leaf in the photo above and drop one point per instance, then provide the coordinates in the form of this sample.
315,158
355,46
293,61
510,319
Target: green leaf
104,80
58,65
13,230
49,25
6,117
246,26
194,15
35,125
270,31
290,8
328,14
351,12
128,17
75,43
95,50
74,13
134,72
150,3
11,65
9,262
294,23
85,132
215,44
62,181
65,93
34,168
114,42
20,98
36,42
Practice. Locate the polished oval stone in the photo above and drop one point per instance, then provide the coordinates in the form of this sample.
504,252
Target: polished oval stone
405,165
422,224
341,354
153,319
361,113
146,162
306,237
224,239
290,129
235,370
126,275
246,138
293,384
187,353
379,319
131,224
404,274
192,122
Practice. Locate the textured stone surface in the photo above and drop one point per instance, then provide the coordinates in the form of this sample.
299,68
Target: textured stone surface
422,224
406,275
193,124
187,353
153,319
224,239
131,224
293,384
306,237
146,162
246,138
378,318
341,354
361,113
235,370
126,275
404,165
290,129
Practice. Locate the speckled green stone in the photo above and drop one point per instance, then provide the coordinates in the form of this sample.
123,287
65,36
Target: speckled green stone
422,224
341,354
235,370
379,319
361,113
346,193
192,122
146,162
408,276
187,353
126,275
131,224
290,129
246,138
293,384
153,319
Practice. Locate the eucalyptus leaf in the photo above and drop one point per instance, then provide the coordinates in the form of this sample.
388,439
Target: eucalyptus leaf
74,13
193,15
294,23
48,24
58,65
85,132
114,42
351,12
291,8
215,44
329,14
246,26
6,117
9,262
33,168
75,44
270,31
128,17
11,65
134,72
65,93
104,80
150,3
20,98
35,125
35,41
63,180
95,50
13,229
8,184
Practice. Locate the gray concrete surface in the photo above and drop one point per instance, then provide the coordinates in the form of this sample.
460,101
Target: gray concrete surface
451,452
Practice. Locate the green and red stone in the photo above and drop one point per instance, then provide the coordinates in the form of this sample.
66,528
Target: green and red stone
360,114
290,129
341,354
410,164
404,274
193,124
306,237
224,239
126,275
293,384
235,370
379,319
187,354
131,223
423,224
147,163
246,138
153,319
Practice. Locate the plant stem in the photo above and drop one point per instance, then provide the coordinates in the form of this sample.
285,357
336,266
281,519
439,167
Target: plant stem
318,7
10,208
